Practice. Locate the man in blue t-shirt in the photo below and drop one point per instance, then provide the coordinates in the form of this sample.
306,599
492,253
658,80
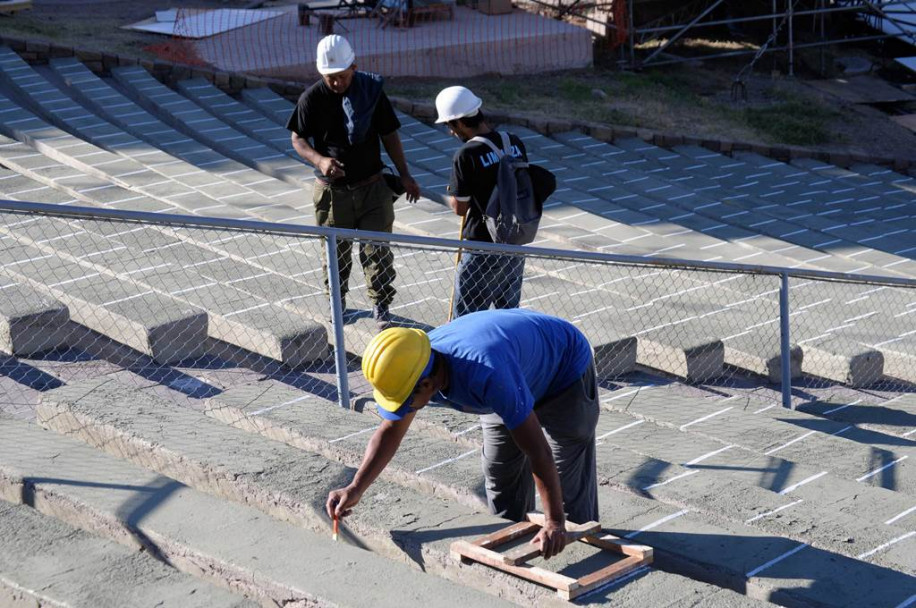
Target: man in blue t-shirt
529,376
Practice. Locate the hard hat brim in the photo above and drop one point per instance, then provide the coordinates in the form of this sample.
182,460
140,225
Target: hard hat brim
332,71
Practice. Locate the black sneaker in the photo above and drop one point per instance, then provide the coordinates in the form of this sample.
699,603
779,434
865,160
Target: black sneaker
381,315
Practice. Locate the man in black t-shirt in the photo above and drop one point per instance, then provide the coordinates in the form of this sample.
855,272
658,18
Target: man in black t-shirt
483,279
337,126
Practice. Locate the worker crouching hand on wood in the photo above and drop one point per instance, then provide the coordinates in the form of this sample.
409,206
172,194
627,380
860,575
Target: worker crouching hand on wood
531,379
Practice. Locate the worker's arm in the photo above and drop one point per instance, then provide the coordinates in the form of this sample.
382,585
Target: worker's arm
329,167
459,207
395,151
379,452
530,439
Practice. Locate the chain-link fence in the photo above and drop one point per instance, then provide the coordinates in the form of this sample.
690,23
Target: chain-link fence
200,306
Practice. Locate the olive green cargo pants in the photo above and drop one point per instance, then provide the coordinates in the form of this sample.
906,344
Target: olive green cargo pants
369,207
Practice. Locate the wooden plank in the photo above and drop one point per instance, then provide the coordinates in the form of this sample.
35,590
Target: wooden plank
538,518
11,6
619,545
504,535
603,576
527,551
531,573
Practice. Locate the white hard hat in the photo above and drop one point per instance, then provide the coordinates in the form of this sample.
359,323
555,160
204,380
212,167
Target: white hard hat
334,55
456,102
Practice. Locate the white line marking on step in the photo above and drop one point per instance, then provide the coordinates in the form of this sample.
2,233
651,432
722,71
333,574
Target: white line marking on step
878,470
709,455
657,523
667,481
617,430
886,545
704,418
775,560
896,517
795,486
371,428
785,445
762,515
445,462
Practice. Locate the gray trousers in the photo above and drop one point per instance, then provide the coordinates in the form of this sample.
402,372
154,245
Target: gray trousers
568,420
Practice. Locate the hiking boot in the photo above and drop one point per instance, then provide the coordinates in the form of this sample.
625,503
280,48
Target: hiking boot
381,315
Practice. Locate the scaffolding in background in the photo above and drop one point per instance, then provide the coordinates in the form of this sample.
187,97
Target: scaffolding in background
631,26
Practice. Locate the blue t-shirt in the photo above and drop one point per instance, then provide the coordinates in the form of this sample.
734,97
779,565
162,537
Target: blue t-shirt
505,361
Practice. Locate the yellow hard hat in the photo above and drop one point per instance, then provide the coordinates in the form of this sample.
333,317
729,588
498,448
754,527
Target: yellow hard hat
393,362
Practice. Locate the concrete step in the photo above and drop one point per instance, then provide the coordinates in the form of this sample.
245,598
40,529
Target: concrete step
22,125
64,112
157,264
235,113
188,117
157,325
31,322
45,562
864,457
895,417
98,94
725,553
268,103
243,467
228,544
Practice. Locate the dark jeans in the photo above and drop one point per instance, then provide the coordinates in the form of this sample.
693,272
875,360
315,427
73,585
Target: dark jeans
568,420
370,207
485,279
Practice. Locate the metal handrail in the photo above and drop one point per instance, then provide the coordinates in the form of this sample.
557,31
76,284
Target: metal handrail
77,212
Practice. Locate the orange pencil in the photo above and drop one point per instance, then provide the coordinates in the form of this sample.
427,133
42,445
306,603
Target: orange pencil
334,535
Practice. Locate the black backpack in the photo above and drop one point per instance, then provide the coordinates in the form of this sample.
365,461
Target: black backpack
514,209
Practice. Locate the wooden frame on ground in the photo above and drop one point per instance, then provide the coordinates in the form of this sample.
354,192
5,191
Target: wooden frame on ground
513,562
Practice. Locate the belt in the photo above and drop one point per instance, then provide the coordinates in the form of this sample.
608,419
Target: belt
354,186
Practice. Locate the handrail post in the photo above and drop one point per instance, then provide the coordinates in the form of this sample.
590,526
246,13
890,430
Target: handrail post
340,352
785,349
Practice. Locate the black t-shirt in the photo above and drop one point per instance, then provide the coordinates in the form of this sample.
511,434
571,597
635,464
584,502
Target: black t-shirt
474,177
319,116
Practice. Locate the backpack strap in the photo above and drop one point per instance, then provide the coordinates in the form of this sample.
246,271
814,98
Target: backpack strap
507,145
483,140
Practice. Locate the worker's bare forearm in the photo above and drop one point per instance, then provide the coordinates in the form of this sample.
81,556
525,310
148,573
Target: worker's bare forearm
530,439
306,151
381,449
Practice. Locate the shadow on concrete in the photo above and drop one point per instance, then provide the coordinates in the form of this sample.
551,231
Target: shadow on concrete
142,501
27,375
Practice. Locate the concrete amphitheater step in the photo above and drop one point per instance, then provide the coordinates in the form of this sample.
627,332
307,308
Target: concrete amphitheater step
105,100
45,562
188,117
270,104
152,323
235,113
683,541
899,182
766,226
243,467
30,321
895,417
22,125
67,114
736,175
163,265
816,447
737,206
228,544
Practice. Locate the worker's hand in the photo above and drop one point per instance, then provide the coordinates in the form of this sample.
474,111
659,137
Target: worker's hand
411,188
341,502
551,538
331,168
